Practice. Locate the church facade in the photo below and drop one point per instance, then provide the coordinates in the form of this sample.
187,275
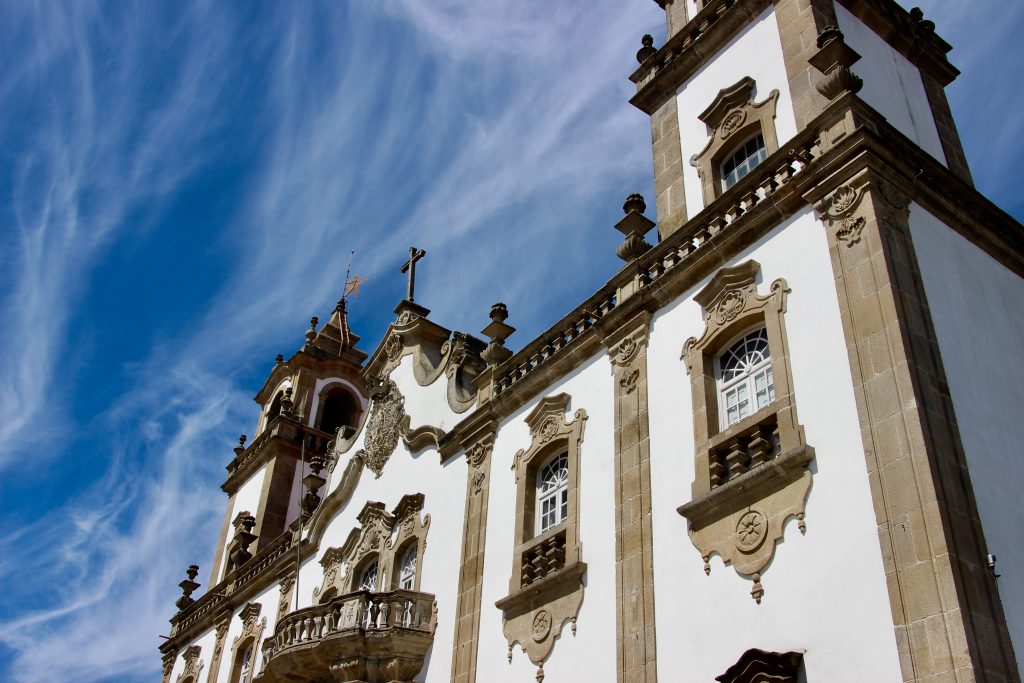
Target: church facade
778,445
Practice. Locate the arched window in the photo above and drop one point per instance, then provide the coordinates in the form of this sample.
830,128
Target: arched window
553,492
745,377
743,161
368,577
244,663
407,568
337,410
275,407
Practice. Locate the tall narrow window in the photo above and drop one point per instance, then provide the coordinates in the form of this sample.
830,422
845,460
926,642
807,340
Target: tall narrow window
368,579
407,569
553,492
743,161
745,376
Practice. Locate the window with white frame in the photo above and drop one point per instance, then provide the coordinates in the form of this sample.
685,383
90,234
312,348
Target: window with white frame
743,161
745,378
368,579
407,568
553,492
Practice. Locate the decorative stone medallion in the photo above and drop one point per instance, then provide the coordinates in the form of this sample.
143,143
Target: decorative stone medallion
383,428
730,306
751,531
733,121
541,625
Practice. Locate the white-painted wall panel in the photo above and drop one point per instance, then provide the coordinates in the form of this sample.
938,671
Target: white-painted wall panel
247,499
755,52
590,654
825,592
977,308
892,85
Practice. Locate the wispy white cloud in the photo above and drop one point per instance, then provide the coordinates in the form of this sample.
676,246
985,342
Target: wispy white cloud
496,135
370,143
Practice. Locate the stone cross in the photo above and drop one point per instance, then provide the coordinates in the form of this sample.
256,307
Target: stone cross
410,267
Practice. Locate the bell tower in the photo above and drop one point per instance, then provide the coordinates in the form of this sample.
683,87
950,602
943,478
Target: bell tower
308,403
727,65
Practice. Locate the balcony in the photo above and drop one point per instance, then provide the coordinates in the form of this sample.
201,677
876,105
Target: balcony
359,637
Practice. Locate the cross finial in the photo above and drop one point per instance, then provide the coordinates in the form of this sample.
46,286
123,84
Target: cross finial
410,267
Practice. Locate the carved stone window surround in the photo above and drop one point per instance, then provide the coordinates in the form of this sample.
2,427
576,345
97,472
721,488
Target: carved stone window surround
733,118
549,592
251,636
752,476
383,537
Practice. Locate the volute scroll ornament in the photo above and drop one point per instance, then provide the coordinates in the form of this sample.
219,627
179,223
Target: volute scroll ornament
193,665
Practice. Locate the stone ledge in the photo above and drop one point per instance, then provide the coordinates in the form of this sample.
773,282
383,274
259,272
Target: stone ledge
747,487
541,590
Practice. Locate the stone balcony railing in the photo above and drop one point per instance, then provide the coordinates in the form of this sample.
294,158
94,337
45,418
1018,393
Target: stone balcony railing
283,433
364,637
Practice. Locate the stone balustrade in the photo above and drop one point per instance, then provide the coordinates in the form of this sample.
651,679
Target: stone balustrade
362,636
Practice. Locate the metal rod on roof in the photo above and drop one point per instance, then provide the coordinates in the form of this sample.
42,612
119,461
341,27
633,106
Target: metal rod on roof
298,541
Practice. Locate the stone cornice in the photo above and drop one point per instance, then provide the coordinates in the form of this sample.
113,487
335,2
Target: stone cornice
847,135
680,57
720,20
846,139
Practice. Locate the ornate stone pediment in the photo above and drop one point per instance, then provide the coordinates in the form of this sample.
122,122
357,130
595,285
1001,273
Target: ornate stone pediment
733,118
193,665
381,534
436,352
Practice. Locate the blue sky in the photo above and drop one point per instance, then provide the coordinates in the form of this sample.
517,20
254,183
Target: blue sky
181,185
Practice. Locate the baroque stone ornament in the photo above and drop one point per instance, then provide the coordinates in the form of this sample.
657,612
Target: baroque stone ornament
849,230
383,427
732,123
730,306
752,476
193,665
547,583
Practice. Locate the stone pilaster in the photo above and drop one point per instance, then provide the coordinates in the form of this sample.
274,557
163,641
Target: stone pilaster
218,647
945,608
636,652
956,160
800,22
471,571
668,167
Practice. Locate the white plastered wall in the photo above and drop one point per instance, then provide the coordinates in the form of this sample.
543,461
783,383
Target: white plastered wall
825,592
590,654
976,307
754,52
444,489
892,85
246,499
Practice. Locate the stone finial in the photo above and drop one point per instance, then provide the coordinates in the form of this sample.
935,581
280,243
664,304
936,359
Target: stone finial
239,551
498,332
188,586
311,332
634,226
279,359
923,26
313,482
241,445
647,51
834,59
